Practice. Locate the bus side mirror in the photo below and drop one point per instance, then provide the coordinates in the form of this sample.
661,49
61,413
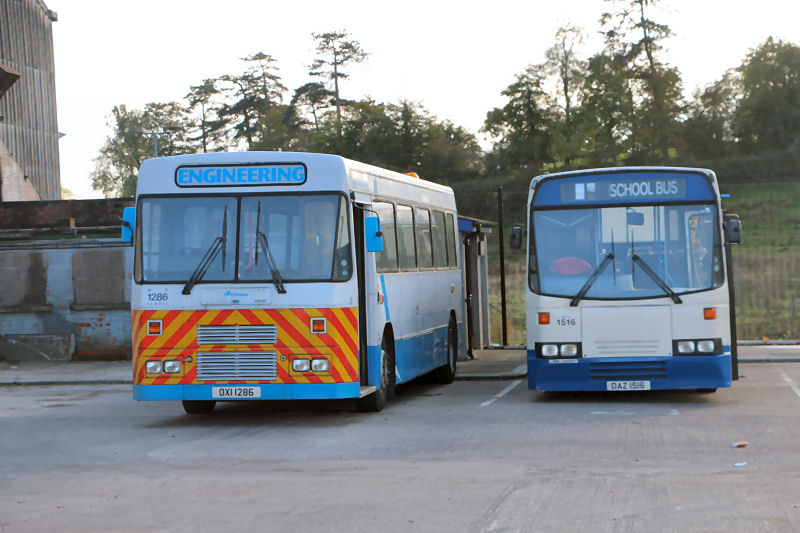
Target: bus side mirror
374,235
515,237
128,221
733,229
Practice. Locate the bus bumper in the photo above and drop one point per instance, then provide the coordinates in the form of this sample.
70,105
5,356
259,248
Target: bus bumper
291,391
630,373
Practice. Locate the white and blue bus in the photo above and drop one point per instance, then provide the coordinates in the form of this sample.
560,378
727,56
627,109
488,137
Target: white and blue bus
263,275
627,286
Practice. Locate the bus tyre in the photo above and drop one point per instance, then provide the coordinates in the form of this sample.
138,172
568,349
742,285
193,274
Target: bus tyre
447,374
376,401
198,407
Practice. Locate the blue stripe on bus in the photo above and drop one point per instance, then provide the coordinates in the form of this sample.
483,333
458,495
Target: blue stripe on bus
277,391
385,299
414,356
677,372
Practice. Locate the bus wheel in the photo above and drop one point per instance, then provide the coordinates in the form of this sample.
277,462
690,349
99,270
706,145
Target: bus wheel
377,400
447,373
198,407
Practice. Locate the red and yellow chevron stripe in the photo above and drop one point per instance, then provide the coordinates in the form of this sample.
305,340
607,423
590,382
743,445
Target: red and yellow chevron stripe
178,340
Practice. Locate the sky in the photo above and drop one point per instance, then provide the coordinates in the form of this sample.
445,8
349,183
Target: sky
453,57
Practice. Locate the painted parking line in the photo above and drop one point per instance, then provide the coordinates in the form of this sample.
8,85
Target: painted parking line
502,393
791,383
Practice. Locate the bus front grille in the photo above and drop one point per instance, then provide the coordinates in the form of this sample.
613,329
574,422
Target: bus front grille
627,348
232,366
260,334
625,370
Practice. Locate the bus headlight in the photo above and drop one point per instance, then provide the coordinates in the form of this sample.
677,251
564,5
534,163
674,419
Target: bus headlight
685,347
697,347
562,349
549,350
569,350
301,365
153,367
319,365
705,346
172,366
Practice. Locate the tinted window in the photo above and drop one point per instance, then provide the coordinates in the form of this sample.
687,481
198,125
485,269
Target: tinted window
439,240
405,238
387,259
422,225
451,242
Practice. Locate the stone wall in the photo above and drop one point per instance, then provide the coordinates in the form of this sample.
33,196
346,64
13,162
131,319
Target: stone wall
70,302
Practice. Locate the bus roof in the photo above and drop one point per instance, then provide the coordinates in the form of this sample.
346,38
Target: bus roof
320,172
621,170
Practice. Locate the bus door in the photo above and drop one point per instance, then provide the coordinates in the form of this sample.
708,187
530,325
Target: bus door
359,250
370,309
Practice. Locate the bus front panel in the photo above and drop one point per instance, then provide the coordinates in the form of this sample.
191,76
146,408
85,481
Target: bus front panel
241,354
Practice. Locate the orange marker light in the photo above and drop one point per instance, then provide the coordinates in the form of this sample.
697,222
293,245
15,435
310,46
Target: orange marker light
154,328
710,313
319,325
544,318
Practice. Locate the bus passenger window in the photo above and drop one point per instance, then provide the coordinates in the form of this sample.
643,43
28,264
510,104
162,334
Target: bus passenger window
451,241
439,240
422,224
387,259
405,238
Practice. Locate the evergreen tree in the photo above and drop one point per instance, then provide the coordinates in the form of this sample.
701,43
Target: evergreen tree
335,50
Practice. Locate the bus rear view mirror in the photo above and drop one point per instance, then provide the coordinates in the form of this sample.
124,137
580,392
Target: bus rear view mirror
515,237
733,229
374,236
635,219
128,221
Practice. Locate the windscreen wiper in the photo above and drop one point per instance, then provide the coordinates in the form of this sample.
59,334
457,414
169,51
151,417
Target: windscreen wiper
589,282
218,245
655,277
268,257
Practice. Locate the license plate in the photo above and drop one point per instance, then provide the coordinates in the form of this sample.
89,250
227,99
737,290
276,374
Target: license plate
627,385
235,392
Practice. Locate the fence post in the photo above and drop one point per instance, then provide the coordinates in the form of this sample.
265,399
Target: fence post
502,264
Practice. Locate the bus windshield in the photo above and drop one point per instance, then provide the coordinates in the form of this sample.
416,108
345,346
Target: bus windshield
679,243
307,238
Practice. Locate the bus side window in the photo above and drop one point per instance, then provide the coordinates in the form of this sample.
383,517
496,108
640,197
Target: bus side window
439,239
452,260
386,260
422,225
405,238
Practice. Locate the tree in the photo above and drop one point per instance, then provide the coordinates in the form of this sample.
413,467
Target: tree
253,93
634,37
130,145
707,132
523,126
279,129
209,130
606,110
334,51
311,99
768,115
563,63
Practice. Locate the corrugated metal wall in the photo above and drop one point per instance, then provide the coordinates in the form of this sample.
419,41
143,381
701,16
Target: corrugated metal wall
29,128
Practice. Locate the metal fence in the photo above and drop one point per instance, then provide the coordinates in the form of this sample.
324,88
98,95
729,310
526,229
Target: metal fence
766,266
